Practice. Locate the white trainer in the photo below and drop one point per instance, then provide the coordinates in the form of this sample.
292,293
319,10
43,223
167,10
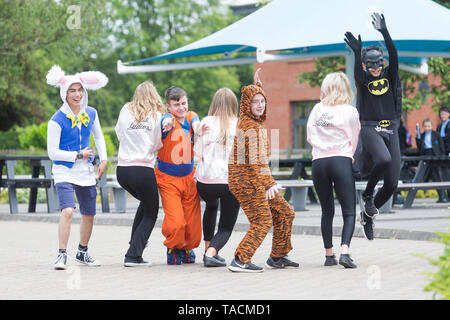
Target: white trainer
61,262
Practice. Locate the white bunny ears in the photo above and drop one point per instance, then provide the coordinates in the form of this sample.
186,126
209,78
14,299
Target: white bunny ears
91,80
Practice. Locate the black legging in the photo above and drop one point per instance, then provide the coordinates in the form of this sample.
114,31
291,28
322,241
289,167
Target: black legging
336,171
140,182
384,150
229,209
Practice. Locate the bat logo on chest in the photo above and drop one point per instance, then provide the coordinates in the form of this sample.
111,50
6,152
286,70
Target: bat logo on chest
378,87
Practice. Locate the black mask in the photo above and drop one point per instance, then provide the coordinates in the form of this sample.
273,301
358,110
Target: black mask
373,59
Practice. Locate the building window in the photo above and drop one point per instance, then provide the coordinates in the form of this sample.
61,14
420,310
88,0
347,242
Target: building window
300,114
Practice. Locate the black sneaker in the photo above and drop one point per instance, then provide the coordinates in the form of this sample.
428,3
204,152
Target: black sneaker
369,206
61,261
213,262
280,263
219,258
330,261
346,261
368,225
238,266
85,258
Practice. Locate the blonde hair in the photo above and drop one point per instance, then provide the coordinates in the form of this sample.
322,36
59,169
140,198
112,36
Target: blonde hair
336,90
224,106
146,99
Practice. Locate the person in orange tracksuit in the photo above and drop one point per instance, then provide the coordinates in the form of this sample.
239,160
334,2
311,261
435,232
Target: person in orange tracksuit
252,184
174,175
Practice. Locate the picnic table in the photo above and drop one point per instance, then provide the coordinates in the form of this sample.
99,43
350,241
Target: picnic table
12,182
33,181
299,166
423,163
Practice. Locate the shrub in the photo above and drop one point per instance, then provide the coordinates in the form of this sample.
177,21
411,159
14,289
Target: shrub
23,196
440,280
34,136
9,139
112,134
110,147
421,194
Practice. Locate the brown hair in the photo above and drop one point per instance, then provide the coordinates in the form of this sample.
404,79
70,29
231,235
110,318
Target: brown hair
224,106
174,93
427,120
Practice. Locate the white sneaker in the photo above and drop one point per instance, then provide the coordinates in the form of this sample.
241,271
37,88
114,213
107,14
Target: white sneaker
61,262
142,263
85,258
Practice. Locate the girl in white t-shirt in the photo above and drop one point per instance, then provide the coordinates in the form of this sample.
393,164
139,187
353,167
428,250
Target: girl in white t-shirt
212,150
139,131
333,128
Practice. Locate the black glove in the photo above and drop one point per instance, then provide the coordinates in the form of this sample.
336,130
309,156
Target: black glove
353,43
378,21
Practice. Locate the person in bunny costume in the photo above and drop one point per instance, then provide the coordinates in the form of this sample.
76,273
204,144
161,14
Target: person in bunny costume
68,136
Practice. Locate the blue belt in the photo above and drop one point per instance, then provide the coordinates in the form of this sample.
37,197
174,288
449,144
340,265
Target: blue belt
176,170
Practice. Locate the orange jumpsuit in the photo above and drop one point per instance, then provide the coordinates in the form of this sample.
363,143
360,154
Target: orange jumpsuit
249,177
174,175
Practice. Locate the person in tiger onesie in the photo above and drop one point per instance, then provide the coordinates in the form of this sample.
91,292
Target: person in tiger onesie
252,184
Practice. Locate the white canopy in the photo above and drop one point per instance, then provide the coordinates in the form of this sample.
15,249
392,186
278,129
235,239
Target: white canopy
293,29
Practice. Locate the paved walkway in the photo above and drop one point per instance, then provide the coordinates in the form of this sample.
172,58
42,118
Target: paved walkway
387,268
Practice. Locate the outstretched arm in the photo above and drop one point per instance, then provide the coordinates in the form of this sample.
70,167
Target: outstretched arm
355,45
379,24
256,78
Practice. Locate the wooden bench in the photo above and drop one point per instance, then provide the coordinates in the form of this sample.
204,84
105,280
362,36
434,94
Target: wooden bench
300,188
298,170
360,186
119,194
413,187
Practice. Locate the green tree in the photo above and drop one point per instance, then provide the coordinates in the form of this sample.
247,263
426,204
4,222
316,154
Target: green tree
35,34
440,67
158,27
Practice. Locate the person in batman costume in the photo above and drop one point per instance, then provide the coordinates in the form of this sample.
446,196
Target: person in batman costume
379,105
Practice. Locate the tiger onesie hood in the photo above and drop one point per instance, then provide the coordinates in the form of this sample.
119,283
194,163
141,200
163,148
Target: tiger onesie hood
246,115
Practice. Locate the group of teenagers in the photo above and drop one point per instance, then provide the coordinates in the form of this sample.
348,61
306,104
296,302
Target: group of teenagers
158,149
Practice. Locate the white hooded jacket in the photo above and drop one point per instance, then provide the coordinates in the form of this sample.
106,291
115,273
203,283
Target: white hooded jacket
82,172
